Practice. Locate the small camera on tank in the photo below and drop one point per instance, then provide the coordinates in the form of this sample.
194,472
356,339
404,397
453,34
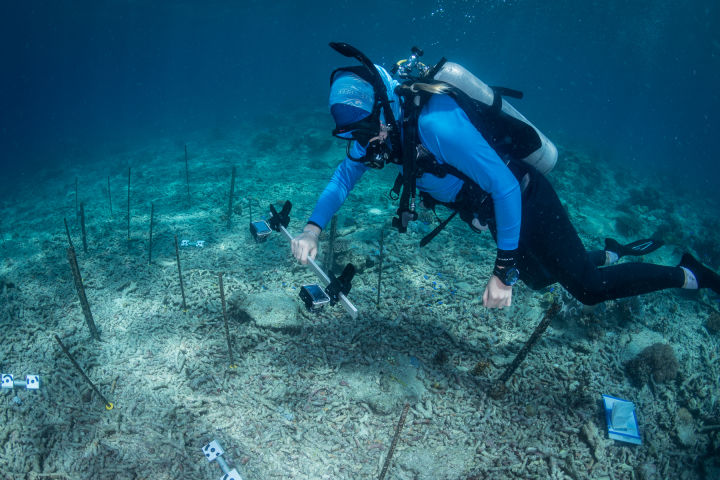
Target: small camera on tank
260,230
314,297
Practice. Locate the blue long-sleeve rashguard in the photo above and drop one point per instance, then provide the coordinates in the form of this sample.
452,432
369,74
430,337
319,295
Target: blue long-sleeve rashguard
448,134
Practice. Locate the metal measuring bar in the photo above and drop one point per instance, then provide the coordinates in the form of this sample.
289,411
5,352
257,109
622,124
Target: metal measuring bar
351,309
278,222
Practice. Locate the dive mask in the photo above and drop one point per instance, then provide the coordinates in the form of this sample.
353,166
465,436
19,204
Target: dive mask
361,131
372,136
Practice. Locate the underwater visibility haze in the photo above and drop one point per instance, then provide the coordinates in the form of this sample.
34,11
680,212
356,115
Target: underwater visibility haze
141,145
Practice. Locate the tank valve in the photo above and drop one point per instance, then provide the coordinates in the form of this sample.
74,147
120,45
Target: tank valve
411,67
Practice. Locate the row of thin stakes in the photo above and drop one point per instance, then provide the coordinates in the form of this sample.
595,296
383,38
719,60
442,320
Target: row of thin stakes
80,206
80,287
497,388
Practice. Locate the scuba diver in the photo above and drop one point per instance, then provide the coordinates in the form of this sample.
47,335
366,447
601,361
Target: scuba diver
485,162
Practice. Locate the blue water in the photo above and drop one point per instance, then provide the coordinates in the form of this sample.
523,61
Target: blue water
95,94
631,82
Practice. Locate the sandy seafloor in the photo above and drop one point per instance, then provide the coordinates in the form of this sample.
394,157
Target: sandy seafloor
317,396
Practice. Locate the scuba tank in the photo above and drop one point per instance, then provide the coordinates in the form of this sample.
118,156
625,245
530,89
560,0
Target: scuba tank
537,149
545,157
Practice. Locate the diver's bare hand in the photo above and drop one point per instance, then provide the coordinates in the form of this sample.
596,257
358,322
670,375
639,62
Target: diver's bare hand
306,244
497,294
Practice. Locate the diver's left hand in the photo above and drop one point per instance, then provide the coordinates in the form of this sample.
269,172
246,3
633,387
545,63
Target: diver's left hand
497,294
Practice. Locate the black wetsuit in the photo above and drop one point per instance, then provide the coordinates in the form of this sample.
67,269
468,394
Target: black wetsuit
551,251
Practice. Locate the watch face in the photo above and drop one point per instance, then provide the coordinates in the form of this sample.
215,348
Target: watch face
511,277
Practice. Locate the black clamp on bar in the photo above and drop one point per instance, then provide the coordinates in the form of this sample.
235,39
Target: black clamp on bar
340,284
280,219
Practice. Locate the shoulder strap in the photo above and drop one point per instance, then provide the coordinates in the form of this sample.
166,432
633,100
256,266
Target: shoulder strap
416,160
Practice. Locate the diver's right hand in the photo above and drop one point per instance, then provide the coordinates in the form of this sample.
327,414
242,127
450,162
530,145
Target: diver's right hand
497,294
306,244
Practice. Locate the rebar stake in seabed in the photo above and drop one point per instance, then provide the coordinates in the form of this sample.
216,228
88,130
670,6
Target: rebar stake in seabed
398,429
227,329
330,249
108,405
182,287
72,258
67,232
498,388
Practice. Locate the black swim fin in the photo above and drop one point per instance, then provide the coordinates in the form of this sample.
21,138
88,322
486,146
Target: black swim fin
705,277
634,249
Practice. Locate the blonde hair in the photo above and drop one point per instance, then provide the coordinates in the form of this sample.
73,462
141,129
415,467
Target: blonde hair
430,87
